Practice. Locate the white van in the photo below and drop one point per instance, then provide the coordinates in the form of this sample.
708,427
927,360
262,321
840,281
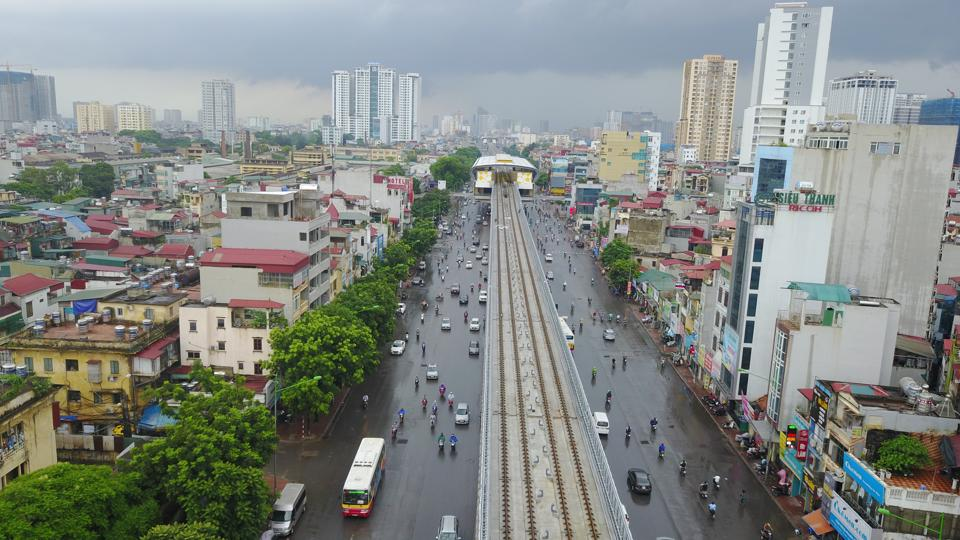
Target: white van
601,423
288,508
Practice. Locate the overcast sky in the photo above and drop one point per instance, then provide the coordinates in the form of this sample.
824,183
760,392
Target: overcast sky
563,60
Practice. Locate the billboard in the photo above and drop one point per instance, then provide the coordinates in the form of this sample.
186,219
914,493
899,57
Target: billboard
731,347
525,180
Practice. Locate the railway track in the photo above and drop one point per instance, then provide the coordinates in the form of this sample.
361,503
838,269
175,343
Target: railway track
519,307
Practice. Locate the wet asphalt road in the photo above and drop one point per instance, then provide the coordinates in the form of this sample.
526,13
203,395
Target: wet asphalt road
421,484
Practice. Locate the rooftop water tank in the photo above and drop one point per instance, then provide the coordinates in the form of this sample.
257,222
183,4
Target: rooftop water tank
8,369
910,388
132,332
147,325
924,402
106,315
119,331
83,325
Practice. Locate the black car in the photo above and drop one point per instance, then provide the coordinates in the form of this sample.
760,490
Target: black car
417,280
455,289
473,348
464,299
476,241
638,480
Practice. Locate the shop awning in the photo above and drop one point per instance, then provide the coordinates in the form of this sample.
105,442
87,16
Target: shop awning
818,523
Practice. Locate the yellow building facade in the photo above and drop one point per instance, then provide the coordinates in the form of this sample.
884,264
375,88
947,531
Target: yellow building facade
27,439
624,152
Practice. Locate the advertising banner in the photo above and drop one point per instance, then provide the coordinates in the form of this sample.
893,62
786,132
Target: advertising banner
731,347
848,522
803,440
870,482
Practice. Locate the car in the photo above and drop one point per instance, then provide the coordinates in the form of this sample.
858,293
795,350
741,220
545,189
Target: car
638,480
464,299
473,348
474,324
609,335
476,241
422,265
462,414
482,297
417,280
548,257
445,323
468,265
484,223
401,308
549,274
398,347
455,289
449,528
463,216
433,372
473,248
484,261
479,255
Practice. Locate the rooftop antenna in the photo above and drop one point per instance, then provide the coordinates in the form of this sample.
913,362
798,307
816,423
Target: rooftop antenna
952,93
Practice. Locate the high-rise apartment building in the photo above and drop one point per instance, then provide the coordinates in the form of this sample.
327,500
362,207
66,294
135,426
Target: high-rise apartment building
219,112
94,117
373,104
906,108
134,116
708,91
942,112
173,118
26,97
789,73
866,97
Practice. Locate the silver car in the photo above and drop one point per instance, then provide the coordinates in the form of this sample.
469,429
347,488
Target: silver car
462,416
433,372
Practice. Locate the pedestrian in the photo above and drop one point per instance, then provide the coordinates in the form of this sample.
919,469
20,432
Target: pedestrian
743,496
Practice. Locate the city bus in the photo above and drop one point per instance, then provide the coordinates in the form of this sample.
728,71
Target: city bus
363,481
567,334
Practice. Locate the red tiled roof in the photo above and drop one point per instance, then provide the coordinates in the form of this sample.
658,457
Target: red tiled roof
712,210
944,289
630,205
264,304
90,267
727,260
147,234
102,227
653,202
131,251
334,213
269,260
30,283
9,309
149,206
672,262
255,383
727,224
658,194
175,251
218,214
157,347
96,242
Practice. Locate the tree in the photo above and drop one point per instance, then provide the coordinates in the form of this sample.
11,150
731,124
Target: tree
394,170
468,154
75,501
398,253
622,271
373,299
198,530
417,190
44,184
432,205
97,179
208,467
451,169
331,343
615,251
902,454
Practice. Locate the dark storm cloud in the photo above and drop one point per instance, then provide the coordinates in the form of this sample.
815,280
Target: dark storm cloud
451,40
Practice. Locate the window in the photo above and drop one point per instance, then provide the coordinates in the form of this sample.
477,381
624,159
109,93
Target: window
742,388
885,148
193,326
273,210
748,332
246,211
28,362
48,364
193,355
258,368
752,305
221,323
221,345
119,312
239,366
716,319
754,278
72,365
94,374
148,313
114,367
714,343
98,397
73,395
29,309
757,250
117,398
303,237
257,344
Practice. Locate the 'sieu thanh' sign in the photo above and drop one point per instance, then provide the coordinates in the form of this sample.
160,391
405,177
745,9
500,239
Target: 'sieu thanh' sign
797,201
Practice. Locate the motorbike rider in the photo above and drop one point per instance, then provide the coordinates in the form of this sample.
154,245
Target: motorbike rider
421,316
416,383
594,373
418,334
564,285
703,489
609,395
713,508
366,400
683,466
662,449
629,430
653,423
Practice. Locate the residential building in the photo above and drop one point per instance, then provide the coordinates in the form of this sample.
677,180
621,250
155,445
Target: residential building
789,74
373,105
259,123
218,113
291,220
173,118
26,97
708,92
629,152
94,117
865,97
408,108
35,295
133,116
886,232
230,336
906,108
256,274
340,100
776,242
26,427
172,175
942,112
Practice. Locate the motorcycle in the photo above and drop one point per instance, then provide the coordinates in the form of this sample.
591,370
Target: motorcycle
423,403
450,401
683,468
716,483
443,390
781,490
713,510
453,443
704,493
393,432
433,421
629,431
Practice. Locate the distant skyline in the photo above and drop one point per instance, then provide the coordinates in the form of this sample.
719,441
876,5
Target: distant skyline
551,60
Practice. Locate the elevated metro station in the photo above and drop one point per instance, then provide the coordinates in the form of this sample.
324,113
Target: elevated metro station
505,169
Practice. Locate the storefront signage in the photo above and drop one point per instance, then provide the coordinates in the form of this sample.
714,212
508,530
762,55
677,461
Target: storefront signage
866,479
708,362
731,346
820,408
797,201
803,440
809,482
848,522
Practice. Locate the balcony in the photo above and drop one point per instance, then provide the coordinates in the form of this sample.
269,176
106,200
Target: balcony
923,500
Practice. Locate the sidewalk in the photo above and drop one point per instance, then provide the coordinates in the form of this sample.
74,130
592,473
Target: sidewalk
792,507
302,428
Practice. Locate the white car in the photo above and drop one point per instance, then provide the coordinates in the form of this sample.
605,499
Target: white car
469,265
433,372
401,308
462,415
484,261
609,335
472,249
445,323
482,298
548,257
474,324
549,274
398,347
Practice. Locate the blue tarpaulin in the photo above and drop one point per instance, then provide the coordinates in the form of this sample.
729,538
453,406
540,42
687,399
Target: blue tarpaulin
153,418
84,306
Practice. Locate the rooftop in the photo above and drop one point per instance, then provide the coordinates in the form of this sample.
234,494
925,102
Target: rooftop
29,283
269,260
97,336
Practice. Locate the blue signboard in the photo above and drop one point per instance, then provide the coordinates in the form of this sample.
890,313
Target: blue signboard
864,478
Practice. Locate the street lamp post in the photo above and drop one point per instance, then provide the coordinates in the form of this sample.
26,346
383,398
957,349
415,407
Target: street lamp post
276,407
885,512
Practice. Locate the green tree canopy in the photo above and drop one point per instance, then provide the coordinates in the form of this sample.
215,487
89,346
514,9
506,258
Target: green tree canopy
452,169
44,184
183,531
373,299
622,271
330,343
75,501
421,237
97,179
150,136
398,253
431,205
396,169
615,251
209,465
902,454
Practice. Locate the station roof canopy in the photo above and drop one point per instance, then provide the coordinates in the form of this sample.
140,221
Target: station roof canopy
505,161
